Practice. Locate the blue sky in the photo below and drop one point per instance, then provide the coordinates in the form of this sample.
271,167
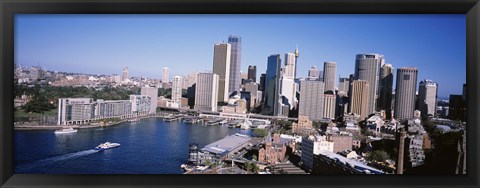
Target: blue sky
104,44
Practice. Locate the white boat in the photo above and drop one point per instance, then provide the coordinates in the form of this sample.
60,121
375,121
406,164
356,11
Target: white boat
246,125
106,145
66,131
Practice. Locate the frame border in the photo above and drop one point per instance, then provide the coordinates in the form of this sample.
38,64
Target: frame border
8,8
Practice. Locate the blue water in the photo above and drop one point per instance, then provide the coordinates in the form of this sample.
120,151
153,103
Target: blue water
150,146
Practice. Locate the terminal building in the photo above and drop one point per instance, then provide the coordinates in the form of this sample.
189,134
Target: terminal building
224,148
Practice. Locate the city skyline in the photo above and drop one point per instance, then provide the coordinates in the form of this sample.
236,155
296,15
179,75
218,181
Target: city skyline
439,55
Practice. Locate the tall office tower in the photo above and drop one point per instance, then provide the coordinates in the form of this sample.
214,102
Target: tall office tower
206,92
272,84
290,67
125,74
177,89
329,71
313,73
329,106
343,86
367,67
386,86
427,97
359,98
261,87
252,73
311,99
405,92
165,76
297,54
235,63
287,90
351,78
153,93
221,67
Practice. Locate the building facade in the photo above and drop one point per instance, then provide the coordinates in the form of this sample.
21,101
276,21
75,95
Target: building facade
165,75
177,85
405,92
221,67
313,73
153,93
359,99
252,73
272,84
427,97
311,102
386,86
367,67
206,92
329,71
234,83
330,103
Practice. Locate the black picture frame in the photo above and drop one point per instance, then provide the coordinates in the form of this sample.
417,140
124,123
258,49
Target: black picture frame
8,8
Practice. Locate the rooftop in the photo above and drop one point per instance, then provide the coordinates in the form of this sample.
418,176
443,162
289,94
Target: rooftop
352,163
227,144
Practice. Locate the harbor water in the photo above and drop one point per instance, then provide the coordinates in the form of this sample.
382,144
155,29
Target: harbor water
150,146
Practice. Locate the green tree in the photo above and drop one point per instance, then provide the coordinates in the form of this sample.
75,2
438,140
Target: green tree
378,155
254,157
248,166
260,132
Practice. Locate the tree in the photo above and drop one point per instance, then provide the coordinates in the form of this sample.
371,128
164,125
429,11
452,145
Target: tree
378,155
254,157
260,132
248,166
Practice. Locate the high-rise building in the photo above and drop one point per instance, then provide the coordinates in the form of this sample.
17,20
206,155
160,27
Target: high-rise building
290,67
272,84
206,92
177,89
386,86
311,102
367,67
427,97
343,86
329,106
261,87
153,93
75,109
297,54
405,92
329,71
125,74
457,108
252,73
252,87
165,76
141,104
235,63
221,67
313,73
287,92
359,98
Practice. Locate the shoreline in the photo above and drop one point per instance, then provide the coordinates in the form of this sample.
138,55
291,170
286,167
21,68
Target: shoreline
58,127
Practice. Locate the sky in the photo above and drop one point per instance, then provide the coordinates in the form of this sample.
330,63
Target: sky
104,44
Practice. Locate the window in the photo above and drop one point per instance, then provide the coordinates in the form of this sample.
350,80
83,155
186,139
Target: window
406,77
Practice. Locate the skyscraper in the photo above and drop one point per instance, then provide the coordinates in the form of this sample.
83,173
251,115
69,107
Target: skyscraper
329,71
427,97
153,93
206,92
367,67
221,67
311,102
313,73
235,63
165,76
359,98
343,86
177,83
261,87
290,65
252,73
329,106
386,86
405,92
125,74
272,84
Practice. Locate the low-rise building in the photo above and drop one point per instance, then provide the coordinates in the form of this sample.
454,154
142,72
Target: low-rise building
303,127
329,163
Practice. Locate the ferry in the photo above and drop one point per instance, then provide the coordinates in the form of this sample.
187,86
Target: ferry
66,131
106,145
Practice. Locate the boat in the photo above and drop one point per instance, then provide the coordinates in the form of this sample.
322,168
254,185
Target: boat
245,125
66,131
133,120
106,145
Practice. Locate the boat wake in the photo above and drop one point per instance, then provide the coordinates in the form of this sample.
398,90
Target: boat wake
52,161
